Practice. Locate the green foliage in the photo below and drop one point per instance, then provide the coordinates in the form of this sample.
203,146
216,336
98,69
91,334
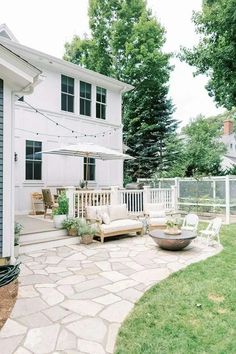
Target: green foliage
17,230
203,150
71,223
86,229
63,205
216,52
127,44
192,311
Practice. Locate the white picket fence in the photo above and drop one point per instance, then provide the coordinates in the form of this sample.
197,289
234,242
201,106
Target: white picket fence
134,199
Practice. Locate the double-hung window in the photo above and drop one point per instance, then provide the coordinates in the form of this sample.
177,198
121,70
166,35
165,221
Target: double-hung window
89,169
67,93
85,98
33,163
101,97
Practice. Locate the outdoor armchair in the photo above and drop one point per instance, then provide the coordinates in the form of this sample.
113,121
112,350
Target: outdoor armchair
212,231
190,222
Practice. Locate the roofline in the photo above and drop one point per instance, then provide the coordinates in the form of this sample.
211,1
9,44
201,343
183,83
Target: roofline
123,86
22,59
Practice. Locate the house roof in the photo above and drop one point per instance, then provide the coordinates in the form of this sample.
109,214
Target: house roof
61,65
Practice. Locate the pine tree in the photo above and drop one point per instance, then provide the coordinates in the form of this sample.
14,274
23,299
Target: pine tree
127,44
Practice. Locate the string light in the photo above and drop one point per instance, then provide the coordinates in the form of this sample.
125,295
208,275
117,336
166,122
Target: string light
64,127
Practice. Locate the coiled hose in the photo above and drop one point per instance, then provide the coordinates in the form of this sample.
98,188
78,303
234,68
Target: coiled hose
8,273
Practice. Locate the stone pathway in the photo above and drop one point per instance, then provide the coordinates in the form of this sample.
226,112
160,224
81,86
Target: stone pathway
73,299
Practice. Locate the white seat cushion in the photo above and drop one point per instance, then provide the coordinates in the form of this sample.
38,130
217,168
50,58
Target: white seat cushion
121,225
117,212
156,221
93,212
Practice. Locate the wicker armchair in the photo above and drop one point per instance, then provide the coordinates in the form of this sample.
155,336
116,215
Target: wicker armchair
48,201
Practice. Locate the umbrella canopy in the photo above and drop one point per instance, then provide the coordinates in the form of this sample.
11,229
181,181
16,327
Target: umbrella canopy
89,150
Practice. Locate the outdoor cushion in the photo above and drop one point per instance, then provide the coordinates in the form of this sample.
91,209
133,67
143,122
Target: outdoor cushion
157,214
120,225
148,207
117,212
156,221
94,212
105,218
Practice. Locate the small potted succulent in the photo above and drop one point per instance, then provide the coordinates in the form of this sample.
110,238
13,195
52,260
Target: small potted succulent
87,232
172,227
18,228
60,213
71,225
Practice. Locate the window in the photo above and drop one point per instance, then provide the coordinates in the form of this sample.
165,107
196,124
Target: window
33,169
91,169
21,99
67,93
231,146
101,102
85,98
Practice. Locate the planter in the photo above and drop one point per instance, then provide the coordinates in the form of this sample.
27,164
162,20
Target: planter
58,220
173,242
172,231
86,239
16,251
72,232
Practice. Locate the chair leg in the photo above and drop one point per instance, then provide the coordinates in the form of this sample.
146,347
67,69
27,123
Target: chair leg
45,212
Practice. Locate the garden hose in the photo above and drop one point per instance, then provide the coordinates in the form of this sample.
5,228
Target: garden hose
9,273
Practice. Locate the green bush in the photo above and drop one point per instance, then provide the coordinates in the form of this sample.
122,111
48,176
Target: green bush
63,205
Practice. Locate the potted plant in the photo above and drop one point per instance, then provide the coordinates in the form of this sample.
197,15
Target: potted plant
18,228
60,213
71,225
172,227
87,232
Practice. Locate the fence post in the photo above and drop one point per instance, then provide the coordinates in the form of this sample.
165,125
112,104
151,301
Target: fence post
146,195
227,199
70,195
115,195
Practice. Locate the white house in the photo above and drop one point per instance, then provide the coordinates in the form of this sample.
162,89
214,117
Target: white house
71,104
229,139
17,77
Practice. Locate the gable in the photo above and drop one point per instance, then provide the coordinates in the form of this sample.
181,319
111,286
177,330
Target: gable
5,32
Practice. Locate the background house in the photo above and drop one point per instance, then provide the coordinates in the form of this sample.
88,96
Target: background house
229,139
84,102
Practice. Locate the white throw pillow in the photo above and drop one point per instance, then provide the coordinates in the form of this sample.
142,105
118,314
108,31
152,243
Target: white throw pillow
157,214
117,212
105,218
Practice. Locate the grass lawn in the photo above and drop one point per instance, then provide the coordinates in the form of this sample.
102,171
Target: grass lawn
193,311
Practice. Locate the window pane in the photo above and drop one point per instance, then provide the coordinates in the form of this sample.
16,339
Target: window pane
88,91
70,107
70,85
29,152
82,89
37,170
97,110
81,106
103,111
29,170
88,108
63,102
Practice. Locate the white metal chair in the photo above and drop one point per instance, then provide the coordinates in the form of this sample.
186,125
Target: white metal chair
190,222
212,231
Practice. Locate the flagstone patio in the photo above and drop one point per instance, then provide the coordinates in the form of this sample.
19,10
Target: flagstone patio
73,299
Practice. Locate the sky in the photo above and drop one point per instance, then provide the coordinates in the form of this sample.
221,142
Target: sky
46,25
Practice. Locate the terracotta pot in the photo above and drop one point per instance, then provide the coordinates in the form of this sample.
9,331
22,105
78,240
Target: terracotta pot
72,232
172,231
86,239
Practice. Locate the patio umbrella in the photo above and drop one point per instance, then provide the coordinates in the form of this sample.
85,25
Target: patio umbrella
89,150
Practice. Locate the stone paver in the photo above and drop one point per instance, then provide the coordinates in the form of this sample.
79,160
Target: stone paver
73,299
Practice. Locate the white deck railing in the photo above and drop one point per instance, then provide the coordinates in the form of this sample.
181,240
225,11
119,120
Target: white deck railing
134,199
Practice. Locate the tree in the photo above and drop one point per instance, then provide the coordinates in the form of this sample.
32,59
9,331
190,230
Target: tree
216,52
203,150
127,44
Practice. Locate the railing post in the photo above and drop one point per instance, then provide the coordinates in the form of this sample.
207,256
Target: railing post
115,195
227,199
146,195
174,198
70,195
